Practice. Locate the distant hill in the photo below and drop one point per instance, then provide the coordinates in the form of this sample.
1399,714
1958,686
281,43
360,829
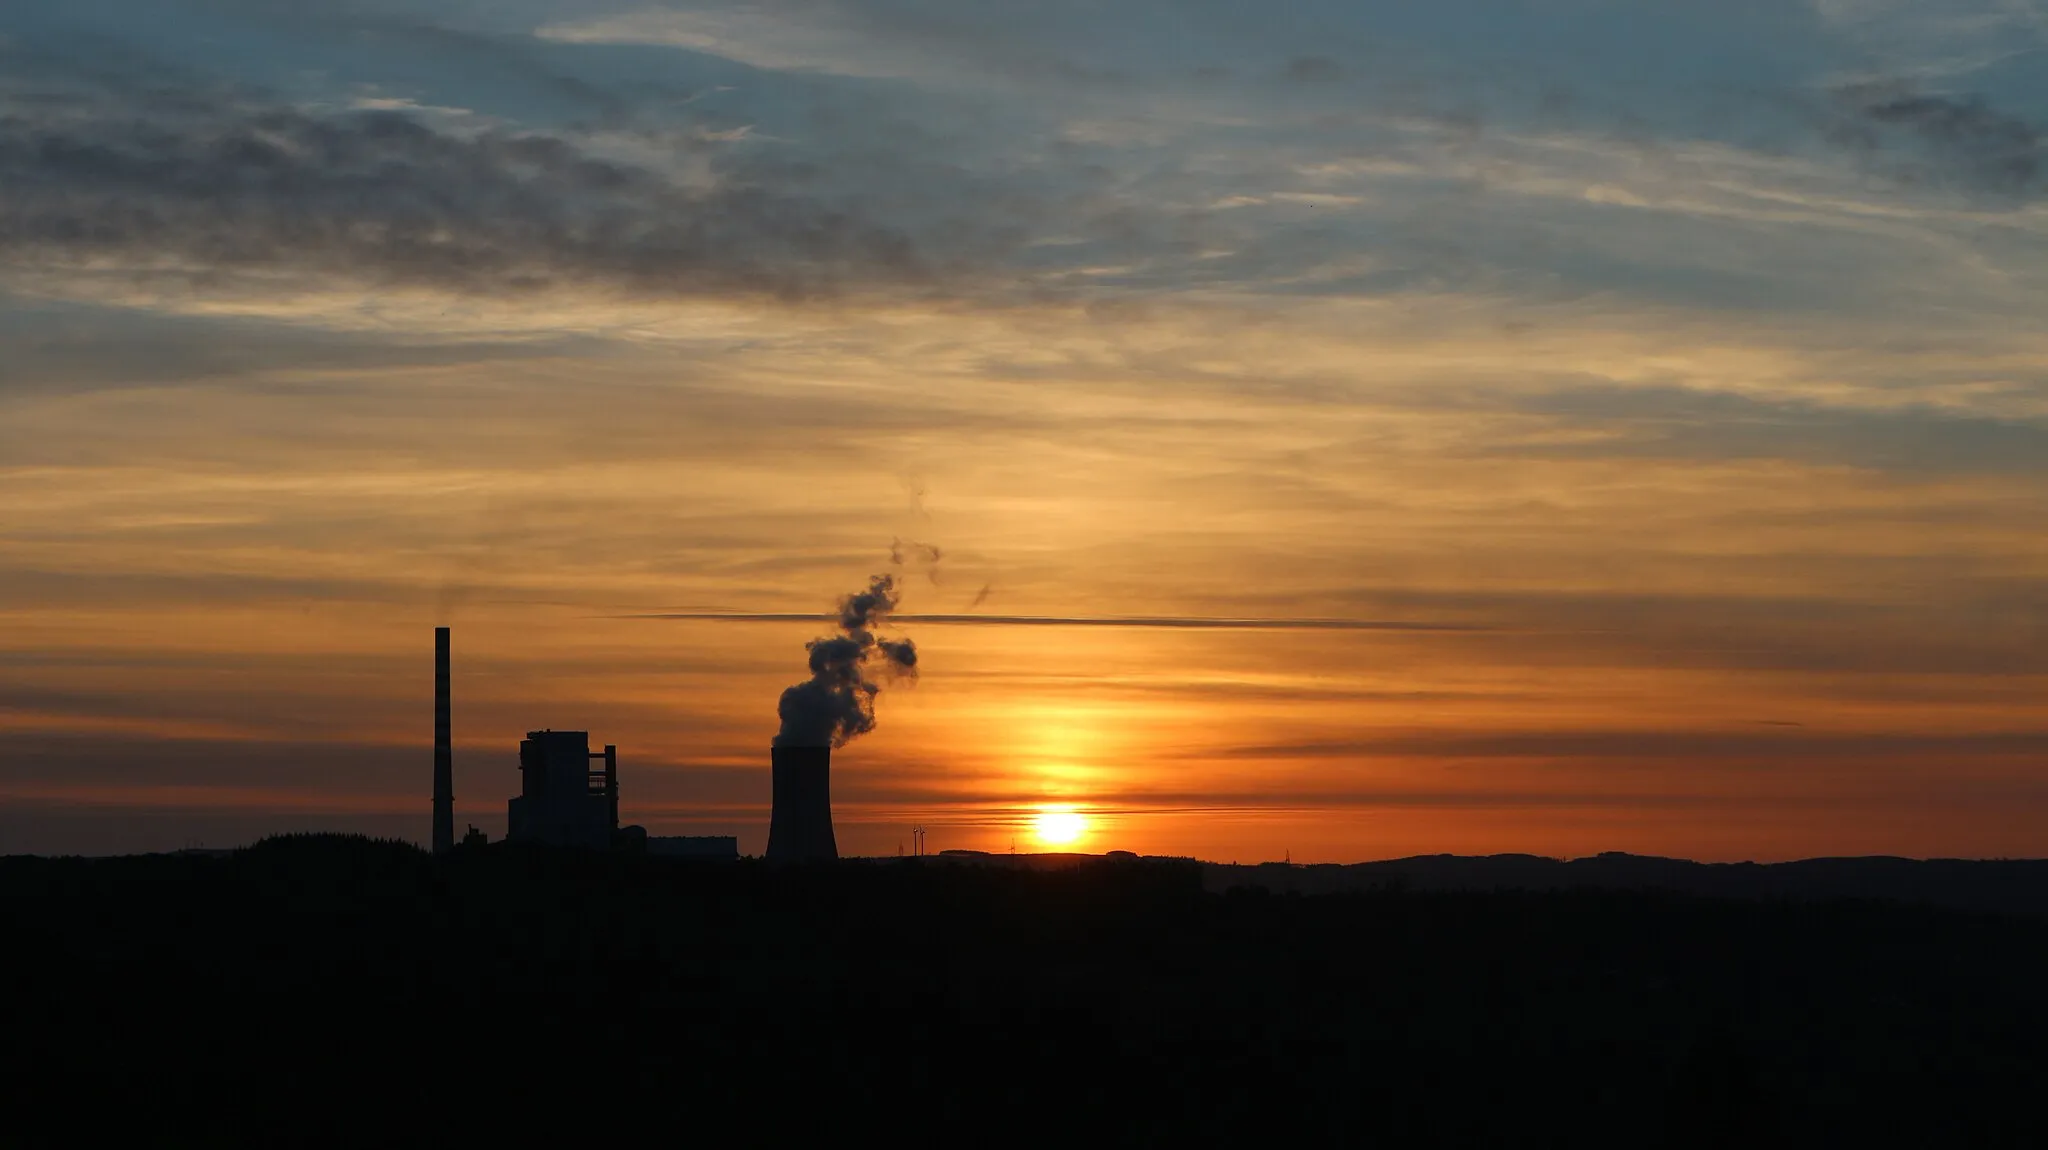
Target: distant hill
336,990
2009,885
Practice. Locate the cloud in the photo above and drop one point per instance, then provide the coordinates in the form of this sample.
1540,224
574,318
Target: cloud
982,168
57,347
1658,422
380,197
1766,448
1142,622
1705,746
1962,141
1844,625
1314,70
111,762
822,43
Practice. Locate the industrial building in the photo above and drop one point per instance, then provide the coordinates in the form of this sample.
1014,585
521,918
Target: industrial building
567,801
562,801
800,824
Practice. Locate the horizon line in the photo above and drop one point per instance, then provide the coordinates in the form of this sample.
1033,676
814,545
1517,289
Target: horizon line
1167,622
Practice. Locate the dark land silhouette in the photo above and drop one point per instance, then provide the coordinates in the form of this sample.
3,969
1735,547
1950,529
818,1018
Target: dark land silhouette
318,989
2011,885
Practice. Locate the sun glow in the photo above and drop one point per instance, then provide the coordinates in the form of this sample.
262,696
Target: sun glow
1059,826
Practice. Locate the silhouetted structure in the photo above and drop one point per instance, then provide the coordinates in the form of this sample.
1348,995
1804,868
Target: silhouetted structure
694,846
444,751
563,802
800,825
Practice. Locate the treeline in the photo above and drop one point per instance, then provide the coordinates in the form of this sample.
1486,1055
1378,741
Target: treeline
316,989
2018,886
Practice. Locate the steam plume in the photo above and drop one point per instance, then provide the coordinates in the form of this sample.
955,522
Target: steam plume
837,703
915,554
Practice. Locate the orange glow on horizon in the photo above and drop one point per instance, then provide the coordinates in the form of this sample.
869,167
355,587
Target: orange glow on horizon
1654,651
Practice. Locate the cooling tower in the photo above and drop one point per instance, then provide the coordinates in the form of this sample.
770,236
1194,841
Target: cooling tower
444,751
800,827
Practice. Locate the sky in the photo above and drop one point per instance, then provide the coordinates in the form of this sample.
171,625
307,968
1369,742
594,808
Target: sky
1602,425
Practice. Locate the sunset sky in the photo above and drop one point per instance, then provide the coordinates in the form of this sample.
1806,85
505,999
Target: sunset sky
1648,400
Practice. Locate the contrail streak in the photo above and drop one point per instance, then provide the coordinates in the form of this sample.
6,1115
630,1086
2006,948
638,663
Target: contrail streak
1165,622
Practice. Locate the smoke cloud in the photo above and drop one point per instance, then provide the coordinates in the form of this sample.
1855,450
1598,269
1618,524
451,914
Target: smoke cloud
909,552
837,703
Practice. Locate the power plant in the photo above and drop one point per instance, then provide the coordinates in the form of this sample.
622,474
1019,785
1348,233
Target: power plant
836,704
800,825
444,751
563,800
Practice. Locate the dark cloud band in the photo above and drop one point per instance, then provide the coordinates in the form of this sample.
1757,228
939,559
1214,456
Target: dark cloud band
1960,140
1161,622
385,197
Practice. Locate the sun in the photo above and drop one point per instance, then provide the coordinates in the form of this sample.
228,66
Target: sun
1059,826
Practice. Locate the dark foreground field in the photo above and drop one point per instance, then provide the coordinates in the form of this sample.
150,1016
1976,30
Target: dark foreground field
318,991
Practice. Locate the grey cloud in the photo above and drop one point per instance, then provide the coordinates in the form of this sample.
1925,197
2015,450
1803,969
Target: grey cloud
46,660
1963,140
1961,628
70,347
103,760
1144,686
1717,747
847,185
1153,622
1314,70
31,589
168,46
998,791
518,60
1713,752
241,699
36,697
383,197
1685,423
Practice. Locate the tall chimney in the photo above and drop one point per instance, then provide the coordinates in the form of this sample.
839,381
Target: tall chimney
800,826
444,751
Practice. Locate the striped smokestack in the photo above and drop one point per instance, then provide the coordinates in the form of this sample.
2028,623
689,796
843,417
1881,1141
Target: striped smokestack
444,751
800,825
